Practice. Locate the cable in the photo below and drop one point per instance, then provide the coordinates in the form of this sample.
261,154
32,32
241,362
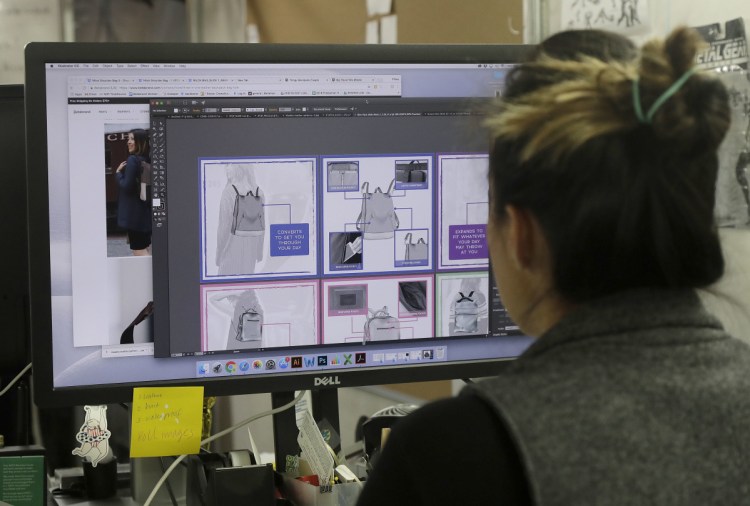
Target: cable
217,436
169,486
253,446
14,380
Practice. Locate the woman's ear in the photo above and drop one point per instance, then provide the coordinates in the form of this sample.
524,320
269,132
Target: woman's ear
522,236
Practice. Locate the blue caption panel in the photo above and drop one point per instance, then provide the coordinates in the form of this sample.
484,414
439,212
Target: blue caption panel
290,240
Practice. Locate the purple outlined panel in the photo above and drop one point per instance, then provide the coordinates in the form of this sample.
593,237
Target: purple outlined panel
462,192
252,211
379,211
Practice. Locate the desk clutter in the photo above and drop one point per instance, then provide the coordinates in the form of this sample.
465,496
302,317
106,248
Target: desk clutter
315,476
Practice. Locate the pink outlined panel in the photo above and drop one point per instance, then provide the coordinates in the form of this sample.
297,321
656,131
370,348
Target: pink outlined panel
289,314
382,292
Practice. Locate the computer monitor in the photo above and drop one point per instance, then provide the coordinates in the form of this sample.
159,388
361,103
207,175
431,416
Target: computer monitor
317,217
14,290
14,258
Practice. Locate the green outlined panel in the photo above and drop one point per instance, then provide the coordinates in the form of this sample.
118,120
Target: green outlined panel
461,304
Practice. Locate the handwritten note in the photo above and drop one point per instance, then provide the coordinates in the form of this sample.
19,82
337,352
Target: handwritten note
166,421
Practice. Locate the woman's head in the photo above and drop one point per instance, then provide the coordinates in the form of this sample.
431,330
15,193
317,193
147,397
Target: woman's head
241,174
621,202
138,142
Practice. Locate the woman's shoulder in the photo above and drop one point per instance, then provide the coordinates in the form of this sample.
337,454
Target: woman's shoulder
465,412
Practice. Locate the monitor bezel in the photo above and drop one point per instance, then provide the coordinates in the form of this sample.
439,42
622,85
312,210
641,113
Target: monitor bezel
39,55
15,289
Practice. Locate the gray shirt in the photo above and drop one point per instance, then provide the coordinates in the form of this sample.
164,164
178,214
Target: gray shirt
638,398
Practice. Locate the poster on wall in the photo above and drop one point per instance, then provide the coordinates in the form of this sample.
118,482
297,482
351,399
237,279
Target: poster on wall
727,46
733,183
624,16
727,53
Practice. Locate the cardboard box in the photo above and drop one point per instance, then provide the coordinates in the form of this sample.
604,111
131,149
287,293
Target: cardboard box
460,21
417,21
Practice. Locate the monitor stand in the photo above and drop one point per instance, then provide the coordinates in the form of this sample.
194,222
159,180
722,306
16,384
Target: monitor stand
325,405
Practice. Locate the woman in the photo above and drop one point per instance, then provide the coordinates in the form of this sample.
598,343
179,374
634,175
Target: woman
602,180
134,214
238,253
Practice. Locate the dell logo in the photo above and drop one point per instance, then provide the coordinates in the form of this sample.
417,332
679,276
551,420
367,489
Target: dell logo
327,381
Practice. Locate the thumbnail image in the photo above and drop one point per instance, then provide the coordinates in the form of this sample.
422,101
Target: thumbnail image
253,316
463,303
412,248
382,210
129,303
258,218
364,310
342,175
345,250
412,174
127,169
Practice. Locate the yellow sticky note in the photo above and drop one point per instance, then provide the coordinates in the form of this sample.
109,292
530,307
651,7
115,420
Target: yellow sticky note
166,421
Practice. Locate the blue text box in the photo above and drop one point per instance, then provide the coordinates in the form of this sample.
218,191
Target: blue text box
290,240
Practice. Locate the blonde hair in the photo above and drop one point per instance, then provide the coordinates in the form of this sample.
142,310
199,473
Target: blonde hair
595,99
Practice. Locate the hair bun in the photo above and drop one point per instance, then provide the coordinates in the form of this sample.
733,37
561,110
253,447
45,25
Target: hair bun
697,116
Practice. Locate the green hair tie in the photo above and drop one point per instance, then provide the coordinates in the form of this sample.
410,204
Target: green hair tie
648,117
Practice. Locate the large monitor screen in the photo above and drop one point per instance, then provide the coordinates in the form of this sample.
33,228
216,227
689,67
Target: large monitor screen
256,219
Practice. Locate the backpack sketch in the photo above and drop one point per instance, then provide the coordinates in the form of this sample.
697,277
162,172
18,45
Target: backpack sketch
381,326
247,321
377,219
248,216
466,313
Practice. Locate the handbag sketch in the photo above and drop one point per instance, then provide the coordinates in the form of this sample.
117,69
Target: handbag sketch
413,172
343,174
415,250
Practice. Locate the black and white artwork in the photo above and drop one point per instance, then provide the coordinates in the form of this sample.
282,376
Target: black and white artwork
619,15
733,183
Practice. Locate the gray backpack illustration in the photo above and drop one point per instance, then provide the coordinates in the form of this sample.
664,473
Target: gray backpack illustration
343,174
248,319
377,219
248,216
381,326
415,250
466,313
